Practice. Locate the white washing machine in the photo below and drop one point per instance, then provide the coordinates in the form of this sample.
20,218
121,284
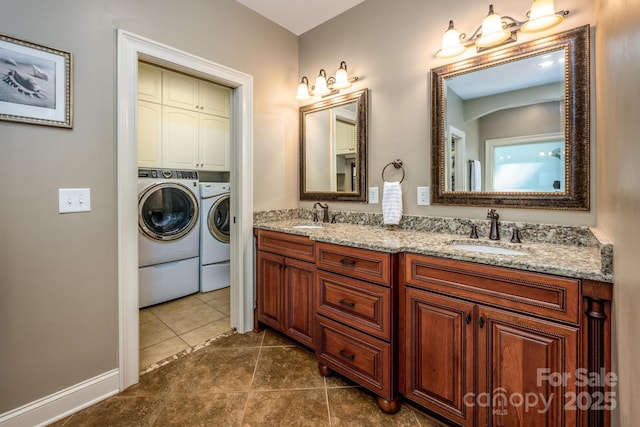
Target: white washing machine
215,225
168,235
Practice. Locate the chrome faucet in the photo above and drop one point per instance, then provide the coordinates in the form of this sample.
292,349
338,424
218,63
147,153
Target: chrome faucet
325,214
494,234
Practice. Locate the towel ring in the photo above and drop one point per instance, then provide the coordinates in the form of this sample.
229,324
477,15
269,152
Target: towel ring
396,164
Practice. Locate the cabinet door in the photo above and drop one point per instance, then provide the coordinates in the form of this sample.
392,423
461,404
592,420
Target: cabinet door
520,363
180,91
149,83
179,138
214,143
298,301
439,348
270,277
149,130
345,137
214,99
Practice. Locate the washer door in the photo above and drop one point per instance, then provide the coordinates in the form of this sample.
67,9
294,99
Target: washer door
219,218
167,211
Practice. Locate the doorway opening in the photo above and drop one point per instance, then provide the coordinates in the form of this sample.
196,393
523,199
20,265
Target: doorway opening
131,49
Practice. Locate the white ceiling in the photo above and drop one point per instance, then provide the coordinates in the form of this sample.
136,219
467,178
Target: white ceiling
299,16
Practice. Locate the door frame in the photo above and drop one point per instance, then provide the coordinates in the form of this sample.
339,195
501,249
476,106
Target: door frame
131,48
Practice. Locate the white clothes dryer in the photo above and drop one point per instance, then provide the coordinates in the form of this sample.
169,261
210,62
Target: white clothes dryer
215,227
168,235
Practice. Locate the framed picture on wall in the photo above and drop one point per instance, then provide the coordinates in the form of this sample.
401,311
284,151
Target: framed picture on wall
35,83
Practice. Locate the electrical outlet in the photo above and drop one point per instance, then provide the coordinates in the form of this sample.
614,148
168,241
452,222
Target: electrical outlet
74,200
373,195
424,198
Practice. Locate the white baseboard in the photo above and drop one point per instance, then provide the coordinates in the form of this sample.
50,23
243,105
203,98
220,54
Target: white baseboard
54,407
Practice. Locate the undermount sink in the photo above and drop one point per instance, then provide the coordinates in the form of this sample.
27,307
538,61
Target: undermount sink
306,226
487,249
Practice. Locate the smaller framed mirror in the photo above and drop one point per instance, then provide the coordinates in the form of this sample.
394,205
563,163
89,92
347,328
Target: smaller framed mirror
333,148
511,127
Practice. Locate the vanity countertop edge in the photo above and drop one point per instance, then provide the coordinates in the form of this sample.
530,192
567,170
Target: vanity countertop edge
580,262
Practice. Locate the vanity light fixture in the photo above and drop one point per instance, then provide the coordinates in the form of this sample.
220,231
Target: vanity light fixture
497,30
325,86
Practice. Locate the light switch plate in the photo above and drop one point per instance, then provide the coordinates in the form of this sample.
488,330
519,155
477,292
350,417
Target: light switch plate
74,200
424,198
373,195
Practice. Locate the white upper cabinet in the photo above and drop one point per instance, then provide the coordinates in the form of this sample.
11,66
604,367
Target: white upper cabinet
181,91
345,137
214,143
183,122
149,83
180,133
149,128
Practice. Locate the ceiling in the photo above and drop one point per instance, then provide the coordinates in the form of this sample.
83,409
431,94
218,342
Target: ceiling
299,16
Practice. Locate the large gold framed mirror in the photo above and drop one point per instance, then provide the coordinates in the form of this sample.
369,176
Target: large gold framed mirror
512,127
333,148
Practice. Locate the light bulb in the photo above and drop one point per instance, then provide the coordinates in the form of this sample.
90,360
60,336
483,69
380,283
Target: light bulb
342,78
450,43
492,31
320,87
541,17
303,90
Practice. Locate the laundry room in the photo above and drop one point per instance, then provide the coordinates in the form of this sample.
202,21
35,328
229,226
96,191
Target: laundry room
184,212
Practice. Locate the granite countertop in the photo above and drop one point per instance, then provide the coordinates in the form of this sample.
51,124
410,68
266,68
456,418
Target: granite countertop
582,262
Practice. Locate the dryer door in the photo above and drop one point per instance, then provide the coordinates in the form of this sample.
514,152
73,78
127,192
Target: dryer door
167,211
219,219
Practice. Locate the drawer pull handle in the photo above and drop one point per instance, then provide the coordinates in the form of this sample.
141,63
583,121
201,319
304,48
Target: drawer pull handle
468,318
481,322
347,355
347,262
347,303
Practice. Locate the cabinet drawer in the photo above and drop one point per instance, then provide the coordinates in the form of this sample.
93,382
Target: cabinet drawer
353,262
291,245
360,357
362,305
535,293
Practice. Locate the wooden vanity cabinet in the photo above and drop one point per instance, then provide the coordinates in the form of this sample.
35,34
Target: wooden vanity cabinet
477,339
284,285
355,327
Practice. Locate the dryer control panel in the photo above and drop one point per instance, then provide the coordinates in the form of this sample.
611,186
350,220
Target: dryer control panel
167,174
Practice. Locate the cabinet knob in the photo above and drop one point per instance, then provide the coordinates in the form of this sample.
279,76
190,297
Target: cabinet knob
481,322
468,318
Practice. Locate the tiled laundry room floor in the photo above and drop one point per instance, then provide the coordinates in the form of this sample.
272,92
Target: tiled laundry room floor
169,328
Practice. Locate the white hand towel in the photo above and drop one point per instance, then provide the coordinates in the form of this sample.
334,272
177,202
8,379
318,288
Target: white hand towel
392,203
476,175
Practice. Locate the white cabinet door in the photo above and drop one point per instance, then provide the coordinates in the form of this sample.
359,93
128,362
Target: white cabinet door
149,129
214,143
345,137
180,91
149,83
179,138
214,99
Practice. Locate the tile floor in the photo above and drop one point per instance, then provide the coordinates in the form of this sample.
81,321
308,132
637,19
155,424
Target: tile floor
172,327
249,380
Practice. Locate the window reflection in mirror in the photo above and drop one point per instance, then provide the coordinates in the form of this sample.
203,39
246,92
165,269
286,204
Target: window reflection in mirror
519,99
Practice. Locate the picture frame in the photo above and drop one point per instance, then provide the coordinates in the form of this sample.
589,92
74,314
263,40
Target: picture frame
35,83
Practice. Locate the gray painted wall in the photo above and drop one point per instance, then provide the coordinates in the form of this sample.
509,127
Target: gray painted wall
618,51
58,273
392,46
